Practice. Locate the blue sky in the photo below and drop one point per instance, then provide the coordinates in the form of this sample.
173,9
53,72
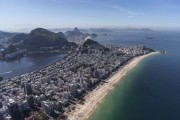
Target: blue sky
18,14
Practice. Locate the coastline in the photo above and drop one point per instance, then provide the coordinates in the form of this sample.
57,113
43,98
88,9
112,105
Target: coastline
52,61
92,99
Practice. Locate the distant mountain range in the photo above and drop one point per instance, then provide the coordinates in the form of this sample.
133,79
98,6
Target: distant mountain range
41,39
135,29
75,32
77,36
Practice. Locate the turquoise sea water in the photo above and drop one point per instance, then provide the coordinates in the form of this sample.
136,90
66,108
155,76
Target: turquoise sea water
151,90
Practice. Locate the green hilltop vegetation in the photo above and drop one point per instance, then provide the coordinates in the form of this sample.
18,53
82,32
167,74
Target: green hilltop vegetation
4,34
92,44
18,38
10,49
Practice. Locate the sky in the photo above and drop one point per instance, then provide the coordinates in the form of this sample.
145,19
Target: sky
20,14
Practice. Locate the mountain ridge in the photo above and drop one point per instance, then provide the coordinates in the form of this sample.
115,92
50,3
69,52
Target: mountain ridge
39,38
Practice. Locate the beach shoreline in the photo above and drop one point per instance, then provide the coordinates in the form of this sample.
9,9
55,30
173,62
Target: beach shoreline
92,99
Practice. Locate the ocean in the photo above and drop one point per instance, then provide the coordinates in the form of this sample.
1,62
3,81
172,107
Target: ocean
150,91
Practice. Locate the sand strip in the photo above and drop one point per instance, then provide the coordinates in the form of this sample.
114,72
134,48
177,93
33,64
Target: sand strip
92,99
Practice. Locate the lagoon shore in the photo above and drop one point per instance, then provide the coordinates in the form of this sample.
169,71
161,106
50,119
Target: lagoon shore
93,98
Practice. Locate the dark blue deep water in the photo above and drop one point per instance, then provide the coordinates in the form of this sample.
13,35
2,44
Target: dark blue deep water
151,91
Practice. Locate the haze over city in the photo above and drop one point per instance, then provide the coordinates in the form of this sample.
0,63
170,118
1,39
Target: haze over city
29,14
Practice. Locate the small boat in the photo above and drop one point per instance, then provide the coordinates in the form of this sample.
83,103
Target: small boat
163,52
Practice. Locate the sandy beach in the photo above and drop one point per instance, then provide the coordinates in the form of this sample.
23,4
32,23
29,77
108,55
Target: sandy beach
92,99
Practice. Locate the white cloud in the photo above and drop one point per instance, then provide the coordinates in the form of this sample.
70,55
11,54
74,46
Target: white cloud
73,1
128,12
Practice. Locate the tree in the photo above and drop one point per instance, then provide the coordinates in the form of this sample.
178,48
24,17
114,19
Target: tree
10,49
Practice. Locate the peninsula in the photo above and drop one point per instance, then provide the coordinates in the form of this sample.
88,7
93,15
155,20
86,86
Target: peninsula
58,90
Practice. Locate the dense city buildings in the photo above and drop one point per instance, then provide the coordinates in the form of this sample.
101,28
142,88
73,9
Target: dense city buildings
54,88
